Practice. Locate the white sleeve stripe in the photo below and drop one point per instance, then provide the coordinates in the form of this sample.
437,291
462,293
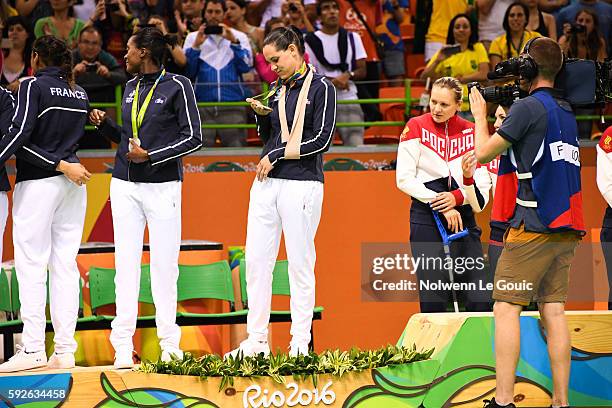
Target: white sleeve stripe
61,108
331,132
178,155
37,155
27,106
190,128
188,120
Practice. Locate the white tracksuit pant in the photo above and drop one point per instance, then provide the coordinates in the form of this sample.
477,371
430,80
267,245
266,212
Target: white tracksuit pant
295,207
159,206
48,219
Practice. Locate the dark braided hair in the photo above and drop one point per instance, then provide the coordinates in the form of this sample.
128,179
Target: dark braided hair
283,37
152,39
53,52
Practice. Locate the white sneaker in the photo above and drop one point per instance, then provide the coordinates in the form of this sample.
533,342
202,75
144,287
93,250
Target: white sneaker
61,360
123,359
250,348
24,361
168,355
297,349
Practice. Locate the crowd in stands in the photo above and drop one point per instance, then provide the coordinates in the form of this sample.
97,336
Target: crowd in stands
360,44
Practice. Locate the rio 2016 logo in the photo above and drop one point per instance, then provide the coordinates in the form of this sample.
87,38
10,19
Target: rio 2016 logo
255,397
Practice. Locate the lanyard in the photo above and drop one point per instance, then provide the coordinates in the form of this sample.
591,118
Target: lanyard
138,114
279,83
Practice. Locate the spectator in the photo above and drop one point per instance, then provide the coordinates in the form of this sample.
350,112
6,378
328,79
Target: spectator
61,24
175,61
540,22
441,15
490,16
216,62
339,55
84,9
235,15
588,44
261,65
98,73
96,70
389,33
33,10
295,15
188,17
116,23
511,44
469,64
371,13
599,8
17,57
267,9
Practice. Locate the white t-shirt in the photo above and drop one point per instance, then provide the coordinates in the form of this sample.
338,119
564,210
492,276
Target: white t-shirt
490,26
332,55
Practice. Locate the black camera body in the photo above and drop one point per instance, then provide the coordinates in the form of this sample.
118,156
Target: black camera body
212,30
91,67
293,8
577,29
585,83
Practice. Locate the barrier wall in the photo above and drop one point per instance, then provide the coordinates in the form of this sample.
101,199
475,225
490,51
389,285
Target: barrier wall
359,207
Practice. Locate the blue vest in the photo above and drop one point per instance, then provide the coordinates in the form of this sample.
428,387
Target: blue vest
554,176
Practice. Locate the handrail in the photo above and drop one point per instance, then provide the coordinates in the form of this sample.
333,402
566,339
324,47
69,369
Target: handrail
408,101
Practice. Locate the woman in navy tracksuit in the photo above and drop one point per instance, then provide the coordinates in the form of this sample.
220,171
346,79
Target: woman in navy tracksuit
48,208
7,109
160,125
288,192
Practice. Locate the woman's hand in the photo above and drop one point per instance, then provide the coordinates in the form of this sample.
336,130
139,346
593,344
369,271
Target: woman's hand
136,154
259,107
97,117
76,172
263,168
478,105
443,202
468,164
454,221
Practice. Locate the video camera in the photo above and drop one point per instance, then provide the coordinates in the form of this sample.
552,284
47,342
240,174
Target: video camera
585,83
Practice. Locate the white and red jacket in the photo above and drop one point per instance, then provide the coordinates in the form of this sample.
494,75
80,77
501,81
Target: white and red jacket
604,172
429,162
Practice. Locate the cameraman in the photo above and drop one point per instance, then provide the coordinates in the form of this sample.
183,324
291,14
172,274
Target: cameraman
540,134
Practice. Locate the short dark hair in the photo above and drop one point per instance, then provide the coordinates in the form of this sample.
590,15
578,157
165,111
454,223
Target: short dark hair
155,42
548,57
321,2
270,23
241,3
221,2
283,37
450,36
91,29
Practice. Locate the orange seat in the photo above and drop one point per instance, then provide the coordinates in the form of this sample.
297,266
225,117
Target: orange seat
413,62
253,138
382,135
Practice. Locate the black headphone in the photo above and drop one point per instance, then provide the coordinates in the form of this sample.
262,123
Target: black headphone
528,68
